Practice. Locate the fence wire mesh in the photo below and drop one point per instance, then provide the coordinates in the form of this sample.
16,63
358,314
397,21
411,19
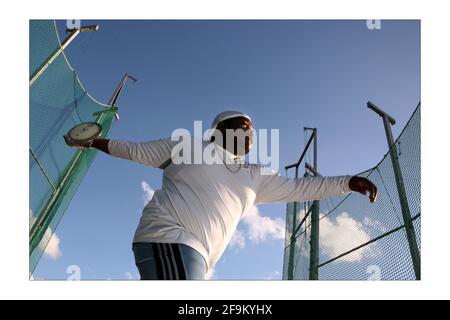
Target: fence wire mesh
359,240
58,101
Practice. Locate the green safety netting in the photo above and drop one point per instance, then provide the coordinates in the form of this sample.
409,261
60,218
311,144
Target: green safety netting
359,240
58,101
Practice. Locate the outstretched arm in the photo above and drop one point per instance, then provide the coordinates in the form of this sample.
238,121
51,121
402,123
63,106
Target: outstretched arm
275,188
151,153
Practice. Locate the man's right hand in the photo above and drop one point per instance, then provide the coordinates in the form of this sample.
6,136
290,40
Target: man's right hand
74,144
363,185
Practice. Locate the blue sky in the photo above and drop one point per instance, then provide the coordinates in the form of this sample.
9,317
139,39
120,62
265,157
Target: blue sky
285,74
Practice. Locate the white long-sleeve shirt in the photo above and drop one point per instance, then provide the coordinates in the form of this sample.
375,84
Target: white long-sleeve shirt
200,205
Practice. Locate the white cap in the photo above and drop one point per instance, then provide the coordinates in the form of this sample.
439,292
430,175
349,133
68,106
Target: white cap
225,116
228,115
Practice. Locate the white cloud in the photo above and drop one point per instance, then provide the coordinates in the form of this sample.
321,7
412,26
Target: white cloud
342,235
238,240
148,192
263,228
52,249
257,229
375,225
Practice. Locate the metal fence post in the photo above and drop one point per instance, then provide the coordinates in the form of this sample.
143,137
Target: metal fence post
314,240
409,227
314,243
293,239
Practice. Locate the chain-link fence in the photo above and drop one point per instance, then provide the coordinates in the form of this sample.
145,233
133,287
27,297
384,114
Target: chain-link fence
58,101
359,240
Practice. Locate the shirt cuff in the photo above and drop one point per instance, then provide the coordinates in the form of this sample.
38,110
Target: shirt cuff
345,184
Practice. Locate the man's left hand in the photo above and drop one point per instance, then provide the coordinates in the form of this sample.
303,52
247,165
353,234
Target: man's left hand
363,185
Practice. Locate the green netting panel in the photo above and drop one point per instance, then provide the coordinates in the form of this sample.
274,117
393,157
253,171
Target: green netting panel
408,145
57,103
358,239
386,259
42,42
300,255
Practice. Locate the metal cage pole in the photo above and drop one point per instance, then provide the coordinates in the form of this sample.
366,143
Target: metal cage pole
293,237
314,240
409,227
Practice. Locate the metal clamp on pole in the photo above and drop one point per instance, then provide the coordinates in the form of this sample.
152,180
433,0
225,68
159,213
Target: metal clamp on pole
311,168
